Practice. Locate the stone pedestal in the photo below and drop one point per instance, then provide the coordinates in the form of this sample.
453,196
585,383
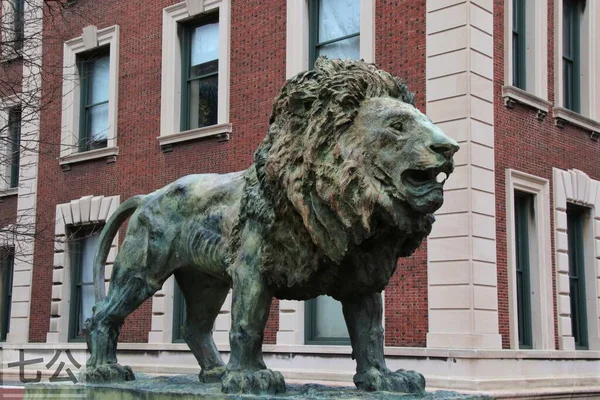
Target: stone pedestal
185,387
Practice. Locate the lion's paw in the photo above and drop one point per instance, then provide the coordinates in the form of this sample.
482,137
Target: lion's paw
212,375
108,373
262,381
385,380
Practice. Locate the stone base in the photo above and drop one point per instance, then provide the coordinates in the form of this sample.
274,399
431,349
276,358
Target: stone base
183,387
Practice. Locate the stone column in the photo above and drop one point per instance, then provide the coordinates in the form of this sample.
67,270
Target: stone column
463,298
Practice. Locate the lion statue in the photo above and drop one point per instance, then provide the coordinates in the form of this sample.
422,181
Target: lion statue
344,184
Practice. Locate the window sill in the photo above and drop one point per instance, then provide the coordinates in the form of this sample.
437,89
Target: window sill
222,132
563,116
109,153
10,55
9,192
512,95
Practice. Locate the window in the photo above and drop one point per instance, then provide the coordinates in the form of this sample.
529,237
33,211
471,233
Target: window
325,322
179,310
6,274
14,146
575,231
572,10
334,29
195,72
524,218
19,24
94,85
90,96
200,70
82,250
519,43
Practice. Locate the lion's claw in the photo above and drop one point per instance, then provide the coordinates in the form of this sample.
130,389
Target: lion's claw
385,380
212,375
108,373
262,381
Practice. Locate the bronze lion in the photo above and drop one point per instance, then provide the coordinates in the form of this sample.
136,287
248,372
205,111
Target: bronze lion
344,184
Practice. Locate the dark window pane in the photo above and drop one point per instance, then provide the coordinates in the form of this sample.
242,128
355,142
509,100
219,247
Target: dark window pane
19,23
348,48
205,44
14,121
338,18
523,218
98,71
575,233
203,102
98,125
329,319
6,274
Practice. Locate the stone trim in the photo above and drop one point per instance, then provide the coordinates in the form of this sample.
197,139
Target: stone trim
542,313
108,152
537,51
461,268
297,43
171,65
576,187
512,95
5,106
90,39
88,210
28,175
563,116
221,131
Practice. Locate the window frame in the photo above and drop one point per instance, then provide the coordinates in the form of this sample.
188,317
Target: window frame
179,310
186,30
171,82
310,338
83,61
519,53
92,39
572,95
14,145
314,43
577,275
76,255
8,262
524,207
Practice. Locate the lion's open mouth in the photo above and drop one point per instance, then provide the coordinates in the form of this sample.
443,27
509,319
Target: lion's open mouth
423,178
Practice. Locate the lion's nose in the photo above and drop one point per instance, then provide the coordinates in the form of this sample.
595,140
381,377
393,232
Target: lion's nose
445,149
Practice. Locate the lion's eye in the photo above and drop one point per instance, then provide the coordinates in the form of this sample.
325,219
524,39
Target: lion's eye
397,125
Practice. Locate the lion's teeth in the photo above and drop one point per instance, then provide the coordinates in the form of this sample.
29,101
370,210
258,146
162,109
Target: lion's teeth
441,177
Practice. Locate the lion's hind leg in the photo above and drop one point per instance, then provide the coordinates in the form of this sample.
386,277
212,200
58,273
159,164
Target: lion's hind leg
204,295
128,290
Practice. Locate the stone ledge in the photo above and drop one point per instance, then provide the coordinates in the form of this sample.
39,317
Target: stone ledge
512,95
221,131
109,153
187,386
563,116
9,192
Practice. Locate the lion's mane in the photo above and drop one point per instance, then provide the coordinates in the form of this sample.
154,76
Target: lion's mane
301,171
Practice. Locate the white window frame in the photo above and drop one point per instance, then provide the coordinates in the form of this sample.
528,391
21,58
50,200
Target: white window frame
589,117
85,211
576,187
297,39
5,107
91,39
536,95
542,307
171,86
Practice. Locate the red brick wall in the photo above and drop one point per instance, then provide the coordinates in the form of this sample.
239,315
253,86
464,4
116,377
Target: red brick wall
524,143
400,50
257,72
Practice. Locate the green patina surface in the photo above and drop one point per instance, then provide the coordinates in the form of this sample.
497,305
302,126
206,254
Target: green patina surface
345,182
186,387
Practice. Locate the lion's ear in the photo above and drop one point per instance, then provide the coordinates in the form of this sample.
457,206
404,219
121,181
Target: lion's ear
299,103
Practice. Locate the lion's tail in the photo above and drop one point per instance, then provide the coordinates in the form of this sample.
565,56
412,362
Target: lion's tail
107,235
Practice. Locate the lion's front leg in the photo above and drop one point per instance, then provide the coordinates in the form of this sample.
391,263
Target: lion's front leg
246,370
363,316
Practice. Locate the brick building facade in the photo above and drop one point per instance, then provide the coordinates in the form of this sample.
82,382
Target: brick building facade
497,75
